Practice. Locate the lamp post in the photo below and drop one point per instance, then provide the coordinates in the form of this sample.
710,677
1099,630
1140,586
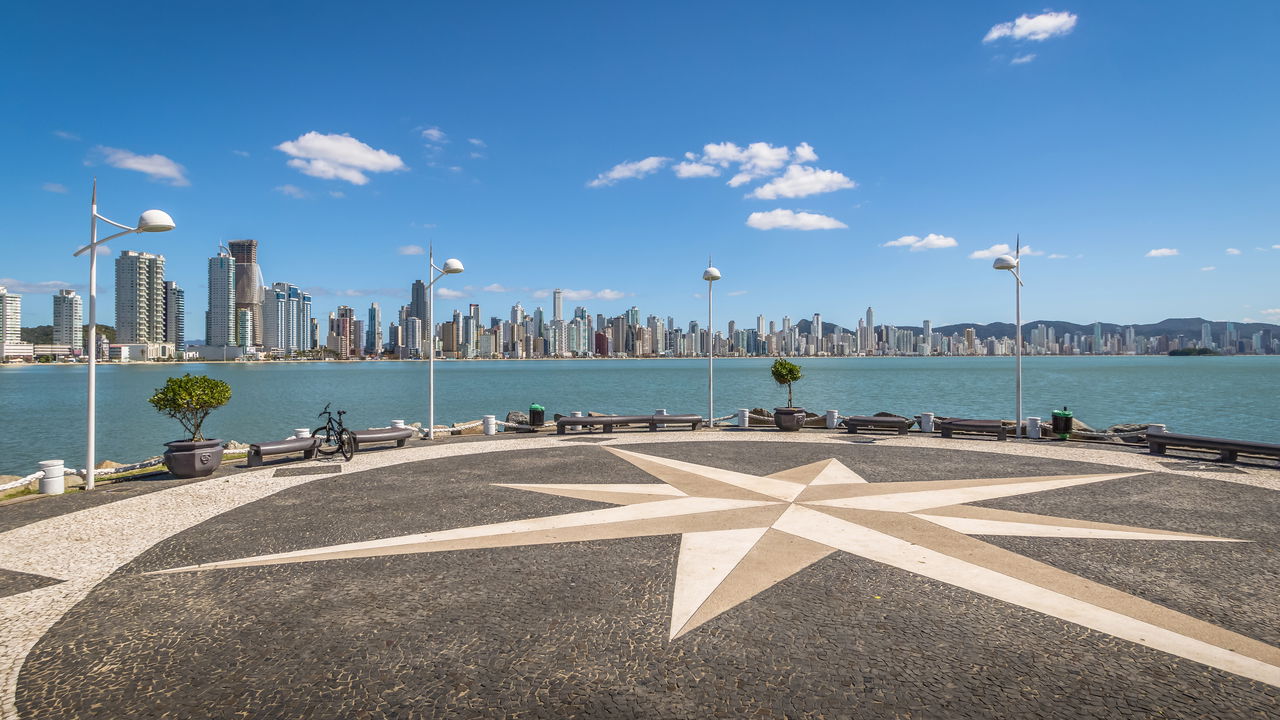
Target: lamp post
711,274
1010,263
149,221
452,266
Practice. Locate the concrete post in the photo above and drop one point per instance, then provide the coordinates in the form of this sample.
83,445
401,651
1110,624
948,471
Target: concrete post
302,432
52,483
743,420
576,413
926,422
663,411
833,419
490,425
397,423
1033,428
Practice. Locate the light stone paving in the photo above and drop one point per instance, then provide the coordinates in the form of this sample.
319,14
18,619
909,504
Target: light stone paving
85,547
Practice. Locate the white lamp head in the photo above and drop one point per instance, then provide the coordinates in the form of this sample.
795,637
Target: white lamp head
155,221
452,266
1005,262
710,274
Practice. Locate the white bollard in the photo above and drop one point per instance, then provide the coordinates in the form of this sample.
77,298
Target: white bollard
52,483
743,420
1033,428
926,422
660,411
397,423
302,432
833,419
490,425
576,413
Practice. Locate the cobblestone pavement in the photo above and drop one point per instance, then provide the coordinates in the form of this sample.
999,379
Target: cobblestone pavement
582,628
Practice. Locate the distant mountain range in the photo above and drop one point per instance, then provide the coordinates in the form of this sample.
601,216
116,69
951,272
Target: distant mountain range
1189,327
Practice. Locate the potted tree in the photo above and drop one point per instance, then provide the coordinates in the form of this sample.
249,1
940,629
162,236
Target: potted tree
790,417
189,400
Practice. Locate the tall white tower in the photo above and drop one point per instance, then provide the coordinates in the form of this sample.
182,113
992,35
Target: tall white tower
220,320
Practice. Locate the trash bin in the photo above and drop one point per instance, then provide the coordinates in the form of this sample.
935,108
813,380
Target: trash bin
1062,422
537,415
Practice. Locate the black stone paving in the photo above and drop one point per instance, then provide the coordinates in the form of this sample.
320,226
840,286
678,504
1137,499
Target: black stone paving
580,629
13,582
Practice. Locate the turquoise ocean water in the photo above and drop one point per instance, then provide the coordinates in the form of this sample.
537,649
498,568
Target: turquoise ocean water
42,407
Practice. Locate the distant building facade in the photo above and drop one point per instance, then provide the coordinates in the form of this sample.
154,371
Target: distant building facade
139,298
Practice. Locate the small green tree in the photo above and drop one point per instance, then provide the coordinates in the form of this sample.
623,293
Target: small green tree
785,372
189,400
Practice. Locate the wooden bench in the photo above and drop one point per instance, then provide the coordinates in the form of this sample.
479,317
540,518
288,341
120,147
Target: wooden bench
307,446
984,427
608,421
879,422
377,435
1158,442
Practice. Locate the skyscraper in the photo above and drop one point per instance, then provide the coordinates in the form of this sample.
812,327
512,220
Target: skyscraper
220,319
275,318
10,316
68,322
418,301
139,297
175,315
870,343
373,332
248,287
557,306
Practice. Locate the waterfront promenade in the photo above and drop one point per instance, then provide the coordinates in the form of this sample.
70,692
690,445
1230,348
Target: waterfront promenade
725,573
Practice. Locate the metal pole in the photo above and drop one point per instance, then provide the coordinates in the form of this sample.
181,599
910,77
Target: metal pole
431,351
1017,285
93,337
711,353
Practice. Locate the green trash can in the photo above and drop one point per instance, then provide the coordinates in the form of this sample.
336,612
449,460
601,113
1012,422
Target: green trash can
537,415
1062,422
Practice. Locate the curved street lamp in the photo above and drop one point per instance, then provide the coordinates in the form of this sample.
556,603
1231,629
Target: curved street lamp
452,266
150,221
1010,263
711,274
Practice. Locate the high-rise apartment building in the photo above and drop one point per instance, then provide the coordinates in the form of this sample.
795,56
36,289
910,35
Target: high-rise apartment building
220,318
373,334
249,286
557,304
139,298
175,316
418,301
68,319
10,316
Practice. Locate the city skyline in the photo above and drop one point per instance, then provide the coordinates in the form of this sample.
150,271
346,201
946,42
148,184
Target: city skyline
835,161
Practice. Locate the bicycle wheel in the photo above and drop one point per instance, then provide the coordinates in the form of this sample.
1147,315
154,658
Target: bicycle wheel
347,444
328,442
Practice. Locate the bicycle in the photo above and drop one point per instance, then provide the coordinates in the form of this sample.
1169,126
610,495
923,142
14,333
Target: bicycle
334,436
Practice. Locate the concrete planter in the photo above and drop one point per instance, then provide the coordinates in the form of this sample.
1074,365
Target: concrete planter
790,419
193,458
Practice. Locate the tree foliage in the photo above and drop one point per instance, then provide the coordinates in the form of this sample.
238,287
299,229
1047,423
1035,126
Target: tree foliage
785,372
189,400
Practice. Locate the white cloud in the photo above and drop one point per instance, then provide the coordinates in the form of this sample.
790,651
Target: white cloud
802,181
607,294
477,142
411,250
66,135
696,169
339,157
1056,256
1208,268
435,135
496,288
626,170
1037,27
991,252
158,167
54,188
357,292
477,156
1271,312
450,293
292,191
1162,252
790,220
578,295
1275,247
759,159
43,287
337,194
1022,59
805,153
928,242
1233,251
455,168
1026,250
736,293
241,153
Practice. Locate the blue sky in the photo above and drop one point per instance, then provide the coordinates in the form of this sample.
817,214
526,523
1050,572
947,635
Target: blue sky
1100,131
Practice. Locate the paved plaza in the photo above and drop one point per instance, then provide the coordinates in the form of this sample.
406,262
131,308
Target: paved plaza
676,574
